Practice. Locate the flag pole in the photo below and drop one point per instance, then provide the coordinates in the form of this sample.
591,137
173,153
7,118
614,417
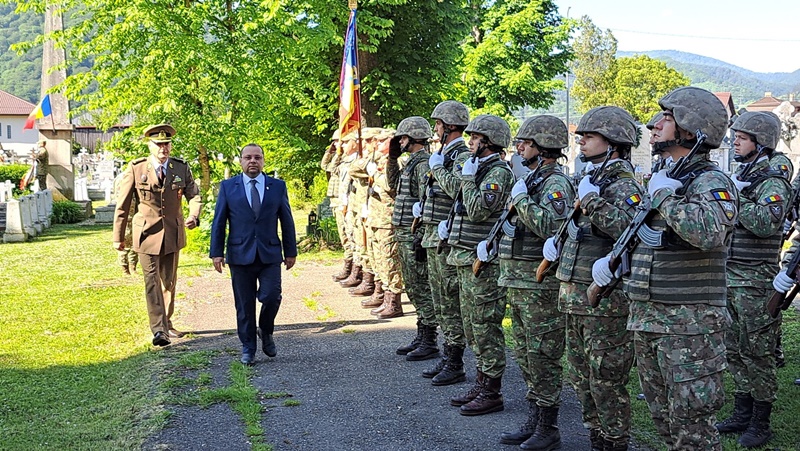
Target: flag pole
353,5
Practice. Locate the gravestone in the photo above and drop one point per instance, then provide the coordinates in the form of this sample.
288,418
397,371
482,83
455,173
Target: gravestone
41,209
15,230
105,215
48,203
37,225
25,212
2,216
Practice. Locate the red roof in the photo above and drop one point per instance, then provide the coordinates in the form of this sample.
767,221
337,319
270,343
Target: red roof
14,106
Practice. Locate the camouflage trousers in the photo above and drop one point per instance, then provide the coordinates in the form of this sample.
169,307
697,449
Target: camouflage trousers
681,377
341,226
537,329
415,277
361,242
386,259
483,306
750,343
446,300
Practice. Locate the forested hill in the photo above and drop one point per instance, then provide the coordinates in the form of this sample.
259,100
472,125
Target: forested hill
20,75
715,75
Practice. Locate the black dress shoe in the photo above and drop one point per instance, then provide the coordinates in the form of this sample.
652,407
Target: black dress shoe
175,333
267,343
160,339
247,359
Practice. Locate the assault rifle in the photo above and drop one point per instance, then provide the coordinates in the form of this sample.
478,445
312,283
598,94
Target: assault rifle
457,203
794,212
781,301
563,231
630,238
494,235
429,186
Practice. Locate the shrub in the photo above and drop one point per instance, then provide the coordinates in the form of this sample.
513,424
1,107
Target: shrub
14,173
67,212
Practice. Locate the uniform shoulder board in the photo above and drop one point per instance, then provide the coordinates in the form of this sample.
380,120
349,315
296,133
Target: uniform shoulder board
138,160
178,160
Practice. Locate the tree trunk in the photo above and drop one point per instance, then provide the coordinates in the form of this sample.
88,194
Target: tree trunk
205,170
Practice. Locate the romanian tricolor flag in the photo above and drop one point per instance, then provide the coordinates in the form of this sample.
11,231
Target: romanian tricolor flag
42,110
721,195
634,200
492,186
555,195
772,199
349,84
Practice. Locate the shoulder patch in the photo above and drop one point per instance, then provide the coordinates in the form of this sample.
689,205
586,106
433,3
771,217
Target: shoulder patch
634,200
721,194
772,199
556,195
492,186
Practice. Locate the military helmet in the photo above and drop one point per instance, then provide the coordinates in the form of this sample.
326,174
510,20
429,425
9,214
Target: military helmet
451,113
336,134
763,127
546,131
415,127
697,109
612,122
494,128
658,116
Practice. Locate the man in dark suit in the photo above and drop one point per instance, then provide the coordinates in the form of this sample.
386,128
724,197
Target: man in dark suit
157,184
251,205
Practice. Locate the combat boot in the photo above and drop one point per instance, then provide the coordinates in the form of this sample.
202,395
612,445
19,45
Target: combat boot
546,437
526,430
376,300
436,369
453,371
403,350
471,394
427,348
610,445
488,400
366,287
393,308
353,279
742,413
758,433
341,275
596,440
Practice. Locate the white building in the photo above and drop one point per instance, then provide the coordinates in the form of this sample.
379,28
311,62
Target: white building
13,113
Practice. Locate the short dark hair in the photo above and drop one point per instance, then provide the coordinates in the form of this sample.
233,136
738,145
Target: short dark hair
251,145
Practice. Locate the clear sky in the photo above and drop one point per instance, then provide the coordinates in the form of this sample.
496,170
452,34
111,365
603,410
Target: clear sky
763,36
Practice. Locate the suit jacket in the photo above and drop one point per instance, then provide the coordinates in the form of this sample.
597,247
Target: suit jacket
158,223
249,234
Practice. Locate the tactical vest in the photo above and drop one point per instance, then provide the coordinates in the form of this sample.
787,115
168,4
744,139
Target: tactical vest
747,246
678,273
465,233
586,243
403,214
438,203
517,242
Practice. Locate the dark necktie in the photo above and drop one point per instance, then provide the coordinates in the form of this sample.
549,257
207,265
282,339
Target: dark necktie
255,200
160,174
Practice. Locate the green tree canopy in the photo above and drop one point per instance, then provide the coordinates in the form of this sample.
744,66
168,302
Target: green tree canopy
594,51
637,83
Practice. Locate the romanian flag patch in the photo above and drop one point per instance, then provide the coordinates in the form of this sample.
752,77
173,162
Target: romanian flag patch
772,199
784,168
721,194
633,200
492,186
555,196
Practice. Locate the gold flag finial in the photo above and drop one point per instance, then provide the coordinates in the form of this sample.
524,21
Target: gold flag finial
352,4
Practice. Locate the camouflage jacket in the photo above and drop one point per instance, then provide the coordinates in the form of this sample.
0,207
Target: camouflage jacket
754,253
700,217
541,211
381,194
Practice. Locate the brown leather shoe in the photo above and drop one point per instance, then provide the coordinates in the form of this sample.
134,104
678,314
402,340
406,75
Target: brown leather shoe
394,308
341,275
160,339
175,333
354,279
471,394
488,400
366,287
376,300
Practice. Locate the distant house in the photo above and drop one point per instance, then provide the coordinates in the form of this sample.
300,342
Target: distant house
769,103
727,99
13,113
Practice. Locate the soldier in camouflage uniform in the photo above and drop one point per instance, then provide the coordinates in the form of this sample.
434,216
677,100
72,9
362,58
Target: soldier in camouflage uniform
330,164
486,184
677,282
764,194
361,232
599,346
539,203
384,249
451,119
412,137
346,154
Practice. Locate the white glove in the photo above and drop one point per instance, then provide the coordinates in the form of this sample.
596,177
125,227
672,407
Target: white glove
470,167
660,180
740,185
586,186
782,282
364,211
442,229
372,168
483,251
601,273
787,226
519,188
343,198
550,251
437,159
517,167
417,209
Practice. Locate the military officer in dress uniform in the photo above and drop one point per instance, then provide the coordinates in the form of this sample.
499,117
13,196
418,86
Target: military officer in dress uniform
157,183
